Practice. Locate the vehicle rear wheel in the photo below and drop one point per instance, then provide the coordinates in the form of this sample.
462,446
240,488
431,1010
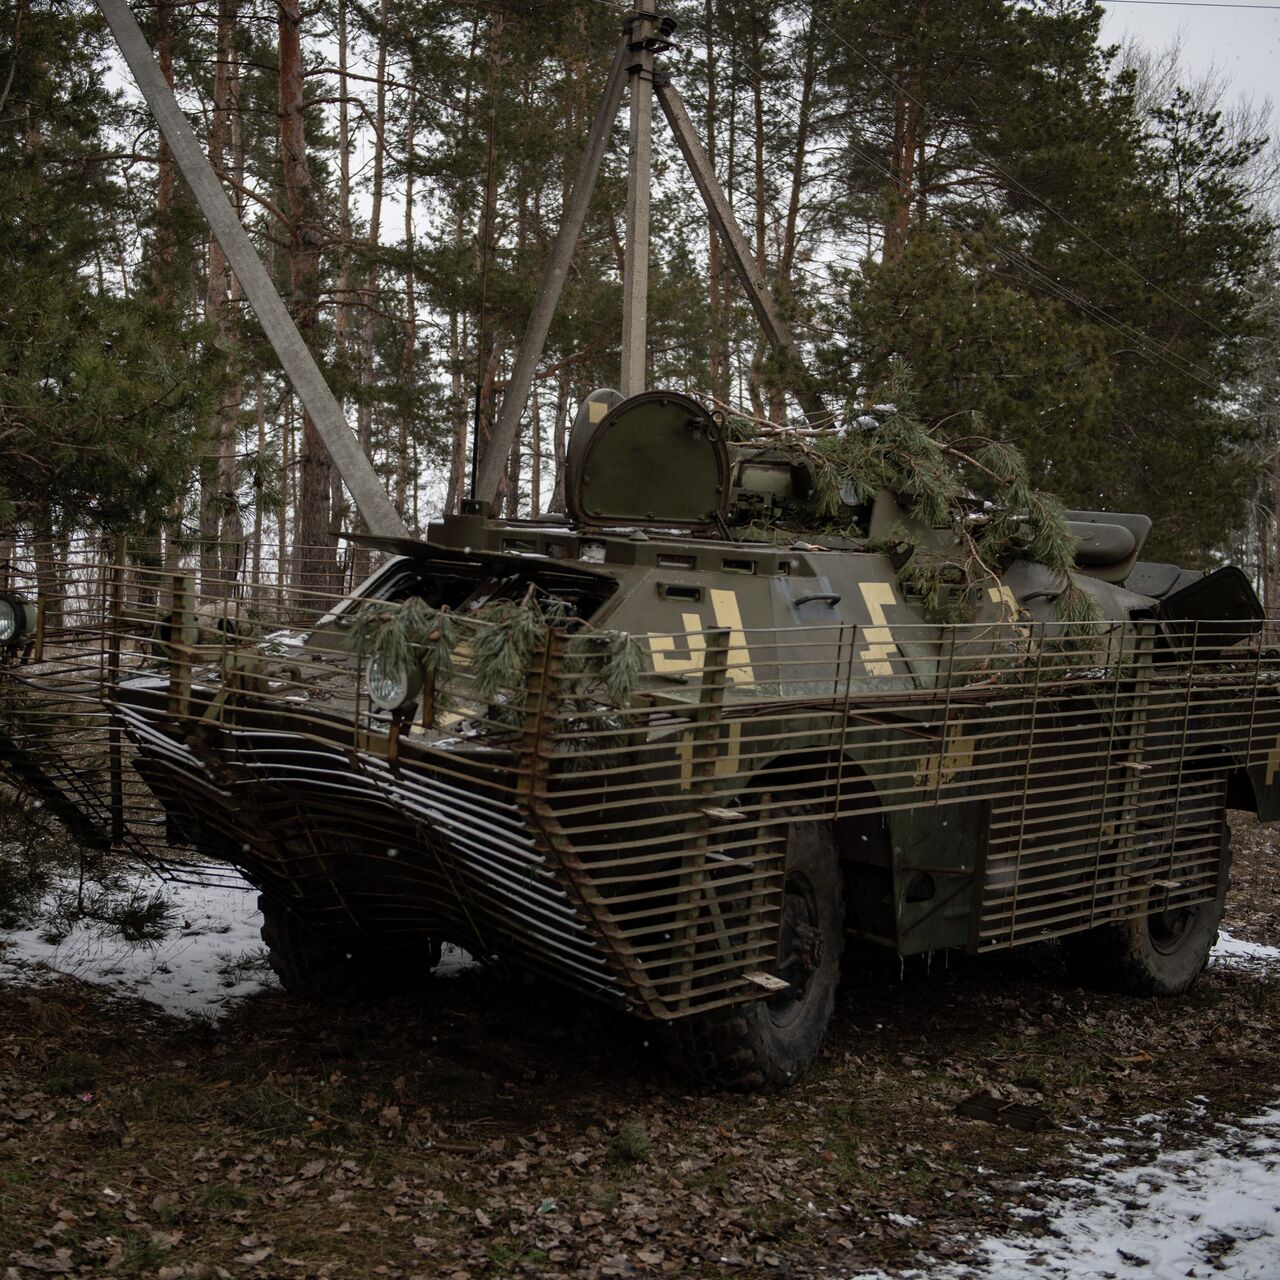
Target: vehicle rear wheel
771,1043
1160,954
311,968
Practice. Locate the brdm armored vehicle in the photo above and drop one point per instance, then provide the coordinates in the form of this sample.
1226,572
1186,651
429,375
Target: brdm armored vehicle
673,746
663,763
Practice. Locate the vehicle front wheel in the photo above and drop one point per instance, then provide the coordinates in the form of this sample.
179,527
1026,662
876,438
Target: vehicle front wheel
313,969
770,1043
1160,954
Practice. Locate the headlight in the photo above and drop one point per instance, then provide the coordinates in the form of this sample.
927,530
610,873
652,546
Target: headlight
17,619
391,684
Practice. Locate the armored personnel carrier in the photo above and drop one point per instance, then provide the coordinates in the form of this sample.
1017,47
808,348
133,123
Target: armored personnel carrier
655,747
658,759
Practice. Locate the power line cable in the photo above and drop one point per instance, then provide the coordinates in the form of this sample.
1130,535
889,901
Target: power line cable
1149,346
1115,257
1196,4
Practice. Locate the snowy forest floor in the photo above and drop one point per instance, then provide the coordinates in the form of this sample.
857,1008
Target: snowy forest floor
168,1112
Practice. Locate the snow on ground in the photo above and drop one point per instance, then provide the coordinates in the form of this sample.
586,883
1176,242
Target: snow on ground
213,957
1241,954
1207,1211
216,954
1211,1210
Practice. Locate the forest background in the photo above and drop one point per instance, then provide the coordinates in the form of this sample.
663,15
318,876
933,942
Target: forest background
1068,239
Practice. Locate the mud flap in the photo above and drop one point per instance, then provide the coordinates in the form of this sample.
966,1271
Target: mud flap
1266,789
939,855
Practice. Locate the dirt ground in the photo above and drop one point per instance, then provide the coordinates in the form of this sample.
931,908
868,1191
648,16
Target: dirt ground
502,1129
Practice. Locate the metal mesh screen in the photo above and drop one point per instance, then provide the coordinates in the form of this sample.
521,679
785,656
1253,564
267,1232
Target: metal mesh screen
634,847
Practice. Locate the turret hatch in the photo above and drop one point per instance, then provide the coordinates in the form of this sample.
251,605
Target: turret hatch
656,458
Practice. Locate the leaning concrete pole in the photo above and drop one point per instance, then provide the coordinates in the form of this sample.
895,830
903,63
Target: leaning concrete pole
300,367
494,462
750,273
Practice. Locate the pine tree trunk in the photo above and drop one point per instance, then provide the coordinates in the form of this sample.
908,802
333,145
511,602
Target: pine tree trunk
162,269
361,560
256,572
558,442
287,498
458,335
315,560
232,534
731,178
218,515
535,455
908,121
166,168
717,357
48,578
488,341
1272,560
408,372
458,402
342,314
790,233
515,461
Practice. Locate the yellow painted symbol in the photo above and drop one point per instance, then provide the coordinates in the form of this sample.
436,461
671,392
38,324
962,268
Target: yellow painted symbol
1010,610
596,411
955,757
1004,597
728,615
663,649
728,755
724,604
880,646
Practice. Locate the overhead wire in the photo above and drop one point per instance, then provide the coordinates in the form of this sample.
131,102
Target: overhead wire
1197,4
1147,345
929,112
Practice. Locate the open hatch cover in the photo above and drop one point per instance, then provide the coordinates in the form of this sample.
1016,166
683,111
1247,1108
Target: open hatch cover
656,458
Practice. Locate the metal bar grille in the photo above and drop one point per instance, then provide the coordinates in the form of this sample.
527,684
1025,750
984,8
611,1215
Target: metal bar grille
637,849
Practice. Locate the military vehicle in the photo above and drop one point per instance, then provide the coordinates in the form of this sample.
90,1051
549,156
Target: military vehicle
667,765
653,747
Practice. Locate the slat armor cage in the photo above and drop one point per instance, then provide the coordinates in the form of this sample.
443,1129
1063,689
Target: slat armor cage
1025,781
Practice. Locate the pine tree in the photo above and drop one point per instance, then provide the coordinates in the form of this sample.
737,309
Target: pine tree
100,393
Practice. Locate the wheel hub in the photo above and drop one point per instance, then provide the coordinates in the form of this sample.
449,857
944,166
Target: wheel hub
1168,929
799,945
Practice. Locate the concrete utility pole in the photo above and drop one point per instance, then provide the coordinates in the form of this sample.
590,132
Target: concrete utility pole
635,271
299,365
644,34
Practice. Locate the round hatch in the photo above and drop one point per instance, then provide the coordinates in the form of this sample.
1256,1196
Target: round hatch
656,457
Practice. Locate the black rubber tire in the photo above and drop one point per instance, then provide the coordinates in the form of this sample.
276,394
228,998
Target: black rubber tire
1154,955
769,1044
312,969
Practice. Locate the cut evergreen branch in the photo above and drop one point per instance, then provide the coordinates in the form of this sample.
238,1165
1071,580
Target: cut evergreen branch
504,638
970,486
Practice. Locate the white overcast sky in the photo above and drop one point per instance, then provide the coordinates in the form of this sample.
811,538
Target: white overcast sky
1240,41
